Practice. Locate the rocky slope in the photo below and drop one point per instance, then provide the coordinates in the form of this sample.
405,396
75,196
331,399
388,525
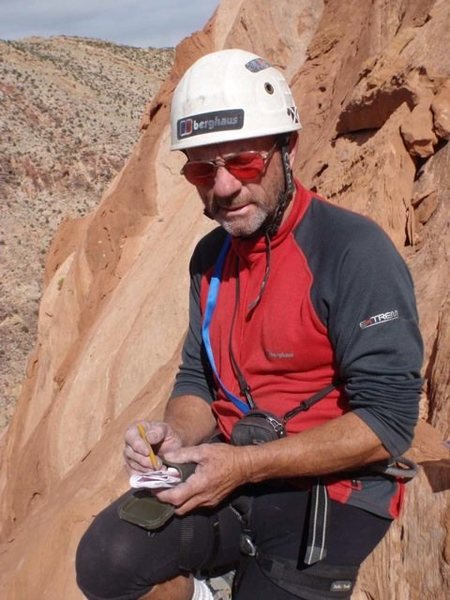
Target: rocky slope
70,110
372,84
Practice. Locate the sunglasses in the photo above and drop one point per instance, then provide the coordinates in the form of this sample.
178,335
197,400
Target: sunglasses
245,166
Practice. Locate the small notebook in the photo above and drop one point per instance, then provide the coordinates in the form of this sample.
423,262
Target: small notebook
166,478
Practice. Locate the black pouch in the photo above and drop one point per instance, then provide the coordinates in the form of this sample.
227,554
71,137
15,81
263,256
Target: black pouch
318,582
257,427
143,509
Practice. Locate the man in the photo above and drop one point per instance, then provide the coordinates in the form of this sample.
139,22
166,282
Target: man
302,358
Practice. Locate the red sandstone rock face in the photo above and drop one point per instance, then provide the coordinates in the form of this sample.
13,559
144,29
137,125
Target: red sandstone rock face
372,83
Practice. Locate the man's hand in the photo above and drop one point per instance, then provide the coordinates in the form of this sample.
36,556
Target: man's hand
136,453
221,468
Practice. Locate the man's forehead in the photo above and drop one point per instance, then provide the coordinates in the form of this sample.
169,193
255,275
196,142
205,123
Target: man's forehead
213,150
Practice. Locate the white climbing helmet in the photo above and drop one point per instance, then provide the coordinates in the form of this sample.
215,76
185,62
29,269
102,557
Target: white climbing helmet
230,95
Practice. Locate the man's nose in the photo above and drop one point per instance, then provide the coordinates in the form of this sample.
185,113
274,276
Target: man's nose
225,184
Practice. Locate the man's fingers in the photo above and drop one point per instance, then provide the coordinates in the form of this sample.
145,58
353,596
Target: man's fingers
180,494
136,460
185,455
198,500
134,467
188,495
188,506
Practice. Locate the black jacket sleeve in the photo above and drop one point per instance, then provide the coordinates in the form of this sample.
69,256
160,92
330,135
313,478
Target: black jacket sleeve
364,293
194,376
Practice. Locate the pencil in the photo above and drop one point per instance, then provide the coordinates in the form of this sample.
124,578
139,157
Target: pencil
151,454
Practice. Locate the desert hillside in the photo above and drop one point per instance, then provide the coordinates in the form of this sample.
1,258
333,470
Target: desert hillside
372,83
70,110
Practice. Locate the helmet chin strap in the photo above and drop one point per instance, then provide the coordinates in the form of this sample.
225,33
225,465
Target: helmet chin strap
273,221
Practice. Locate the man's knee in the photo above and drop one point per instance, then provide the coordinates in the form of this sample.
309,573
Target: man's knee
105,564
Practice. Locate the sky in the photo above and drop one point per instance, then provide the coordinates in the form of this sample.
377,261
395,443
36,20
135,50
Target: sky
142,23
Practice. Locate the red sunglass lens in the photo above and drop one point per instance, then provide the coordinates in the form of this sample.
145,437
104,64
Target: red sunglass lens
244,166
198,172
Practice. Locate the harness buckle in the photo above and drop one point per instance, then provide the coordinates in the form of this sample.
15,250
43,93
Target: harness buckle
247,545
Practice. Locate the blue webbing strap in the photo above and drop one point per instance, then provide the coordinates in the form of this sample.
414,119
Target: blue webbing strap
211,303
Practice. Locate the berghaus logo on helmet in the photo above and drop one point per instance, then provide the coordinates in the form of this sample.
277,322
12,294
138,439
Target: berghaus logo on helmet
391,315
220,120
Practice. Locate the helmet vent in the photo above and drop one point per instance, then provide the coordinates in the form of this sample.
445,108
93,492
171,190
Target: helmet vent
269,88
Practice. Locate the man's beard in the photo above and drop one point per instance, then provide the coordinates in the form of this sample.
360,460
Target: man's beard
247,225
253,224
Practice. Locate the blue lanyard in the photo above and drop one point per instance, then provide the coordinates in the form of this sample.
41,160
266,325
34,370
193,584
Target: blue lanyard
211,303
